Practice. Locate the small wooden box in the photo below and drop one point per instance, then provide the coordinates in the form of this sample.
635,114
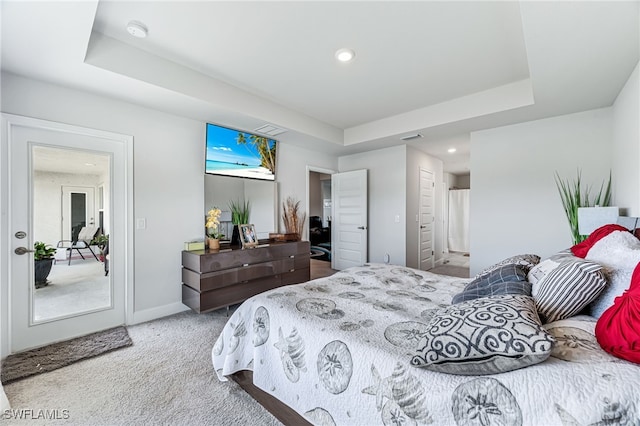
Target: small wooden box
291,236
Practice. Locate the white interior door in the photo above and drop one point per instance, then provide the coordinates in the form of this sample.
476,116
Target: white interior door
26,329
349,226
426,219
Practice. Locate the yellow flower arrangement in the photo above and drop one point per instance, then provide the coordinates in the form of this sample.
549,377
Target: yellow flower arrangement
213,220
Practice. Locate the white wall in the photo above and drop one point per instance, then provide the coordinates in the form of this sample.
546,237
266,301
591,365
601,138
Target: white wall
168,177
415,160
515,206
292,174
387,199
626,147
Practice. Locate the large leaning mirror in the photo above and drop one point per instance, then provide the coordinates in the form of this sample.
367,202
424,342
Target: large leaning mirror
262,195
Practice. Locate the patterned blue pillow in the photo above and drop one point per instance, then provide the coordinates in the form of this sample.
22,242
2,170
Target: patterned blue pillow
484,336
507,279
527,261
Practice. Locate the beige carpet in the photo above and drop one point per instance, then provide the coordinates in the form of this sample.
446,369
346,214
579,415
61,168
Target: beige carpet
165,378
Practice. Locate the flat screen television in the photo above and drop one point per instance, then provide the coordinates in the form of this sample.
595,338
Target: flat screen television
232,152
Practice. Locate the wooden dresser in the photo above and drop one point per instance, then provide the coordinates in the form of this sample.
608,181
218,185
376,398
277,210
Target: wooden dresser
213,279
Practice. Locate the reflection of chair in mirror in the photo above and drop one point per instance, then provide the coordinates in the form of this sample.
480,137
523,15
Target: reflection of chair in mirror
81,242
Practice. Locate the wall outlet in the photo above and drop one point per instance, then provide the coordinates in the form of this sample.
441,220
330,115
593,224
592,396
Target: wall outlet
397,218
141,223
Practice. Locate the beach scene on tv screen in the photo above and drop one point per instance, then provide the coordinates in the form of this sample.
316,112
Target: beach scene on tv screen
235,153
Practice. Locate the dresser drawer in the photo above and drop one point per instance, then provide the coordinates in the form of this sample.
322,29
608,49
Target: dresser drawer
214,279
296,276
296,248
228,277
207,301
227,260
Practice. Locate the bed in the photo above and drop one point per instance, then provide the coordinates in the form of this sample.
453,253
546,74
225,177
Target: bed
342,350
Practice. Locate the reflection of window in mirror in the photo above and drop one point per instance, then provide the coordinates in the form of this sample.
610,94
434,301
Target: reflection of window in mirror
262,196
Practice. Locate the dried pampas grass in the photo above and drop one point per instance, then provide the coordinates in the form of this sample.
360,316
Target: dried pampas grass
292,217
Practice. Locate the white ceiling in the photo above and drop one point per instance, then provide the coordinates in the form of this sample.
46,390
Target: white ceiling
59,160
441,68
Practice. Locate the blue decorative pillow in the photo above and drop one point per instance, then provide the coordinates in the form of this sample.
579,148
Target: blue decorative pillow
507,279
484,336
527,261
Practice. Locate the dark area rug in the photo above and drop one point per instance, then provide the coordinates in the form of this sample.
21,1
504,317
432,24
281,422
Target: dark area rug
57,355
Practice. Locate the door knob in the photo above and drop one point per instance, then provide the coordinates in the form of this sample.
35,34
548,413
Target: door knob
362,227
22,250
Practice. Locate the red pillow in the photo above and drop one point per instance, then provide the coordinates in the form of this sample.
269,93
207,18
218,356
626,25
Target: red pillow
581,249
618,329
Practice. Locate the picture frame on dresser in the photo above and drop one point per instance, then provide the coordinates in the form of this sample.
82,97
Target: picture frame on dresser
248,235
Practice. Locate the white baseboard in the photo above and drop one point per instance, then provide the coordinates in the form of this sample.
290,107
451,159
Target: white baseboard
158,312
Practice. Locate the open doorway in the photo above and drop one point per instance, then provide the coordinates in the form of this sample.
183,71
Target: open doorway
319,191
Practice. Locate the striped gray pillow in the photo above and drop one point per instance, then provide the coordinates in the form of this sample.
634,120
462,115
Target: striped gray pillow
568,289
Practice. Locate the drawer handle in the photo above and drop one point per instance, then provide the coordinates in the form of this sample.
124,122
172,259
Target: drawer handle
291,270
292,256
245,264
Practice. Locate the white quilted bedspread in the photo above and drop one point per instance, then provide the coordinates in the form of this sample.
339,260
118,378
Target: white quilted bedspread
337,350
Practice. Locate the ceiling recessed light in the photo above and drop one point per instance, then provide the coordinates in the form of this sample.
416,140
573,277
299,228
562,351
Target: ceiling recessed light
345,55
137,29
451,150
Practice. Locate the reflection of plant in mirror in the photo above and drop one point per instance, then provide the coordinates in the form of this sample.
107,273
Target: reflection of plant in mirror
101,241
573,196
239,212
43,251
267,153
213,220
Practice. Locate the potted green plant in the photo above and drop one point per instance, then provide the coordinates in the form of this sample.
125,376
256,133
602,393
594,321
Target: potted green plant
574,195
239,215
43,261
101,241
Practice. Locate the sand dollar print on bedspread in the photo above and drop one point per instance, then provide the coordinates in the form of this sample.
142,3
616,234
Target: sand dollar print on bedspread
322,308
576,345
485,401
405,334
260,326
335,367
